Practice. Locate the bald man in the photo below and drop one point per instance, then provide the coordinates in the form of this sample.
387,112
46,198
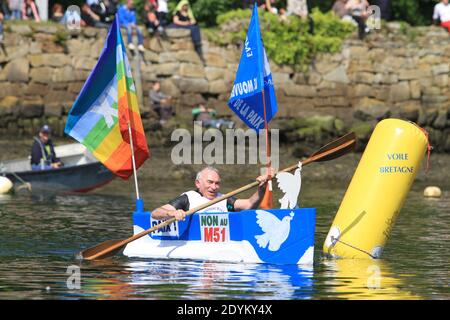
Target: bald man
207,183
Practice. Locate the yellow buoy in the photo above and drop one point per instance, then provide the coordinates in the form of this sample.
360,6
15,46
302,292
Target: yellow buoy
377,191
5,185
432,192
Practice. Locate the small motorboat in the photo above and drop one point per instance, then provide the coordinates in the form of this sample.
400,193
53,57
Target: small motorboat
278,236
81,172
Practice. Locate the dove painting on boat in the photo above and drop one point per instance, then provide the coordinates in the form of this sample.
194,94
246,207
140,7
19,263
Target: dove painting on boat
278,236
290,184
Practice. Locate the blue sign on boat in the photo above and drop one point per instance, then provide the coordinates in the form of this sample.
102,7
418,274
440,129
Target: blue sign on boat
253,236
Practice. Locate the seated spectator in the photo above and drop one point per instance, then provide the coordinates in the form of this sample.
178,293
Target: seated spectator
442,14
89,18
16,9
111,9
105,9
358,11
30,11
127,20
57,13
208,118
162,10
248,4
282,14
300,9
2,45
4,9
151,19
184,18
269,8
340,8
161,103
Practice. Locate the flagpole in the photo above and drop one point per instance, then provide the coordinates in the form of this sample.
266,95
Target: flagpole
134,162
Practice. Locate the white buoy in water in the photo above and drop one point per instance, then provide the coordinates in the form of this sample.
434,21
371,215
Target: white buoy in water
5,185
432,192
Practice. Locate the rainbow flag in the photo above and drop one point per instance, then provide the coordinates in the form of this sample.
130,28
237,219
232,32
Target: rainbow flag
106,106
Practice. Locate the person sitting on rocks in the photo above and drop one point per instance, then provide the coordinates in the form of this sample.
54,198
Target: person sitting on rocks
57,13
358,11
208,118
30,11
90,18
299,8
162,11
127,20
1,31
184,18
161,103
151,19
442,14
16,9
43,156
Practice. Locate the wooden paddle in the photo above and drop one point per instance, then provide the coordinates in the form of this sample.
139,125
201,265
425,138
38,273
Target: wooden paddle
330,151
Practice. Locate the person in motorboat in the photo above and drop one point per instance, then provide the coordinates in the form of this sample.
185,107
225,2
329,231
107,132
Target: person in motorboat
43,156
207,183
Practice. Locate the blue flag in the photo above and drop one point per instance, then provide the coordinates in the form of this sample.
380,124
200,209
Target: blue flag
252,77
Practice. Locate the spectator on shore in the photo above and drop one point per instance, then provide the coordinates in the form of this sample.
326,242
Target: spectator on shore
57,13
162,10
248,4
4,9
300,9
111,9
105,9
16,9
30,11
358,11
269,8
127,20
340,8
208,118
161,103
90,18
2,45
151,19
184,18
441,14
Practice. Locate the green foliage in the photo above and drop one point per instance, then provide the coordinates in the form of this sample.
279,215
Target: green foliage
60,37
287,42
415,12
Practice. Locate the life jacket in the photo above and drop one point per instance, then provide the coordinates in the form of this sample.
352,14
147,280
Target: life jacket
196,199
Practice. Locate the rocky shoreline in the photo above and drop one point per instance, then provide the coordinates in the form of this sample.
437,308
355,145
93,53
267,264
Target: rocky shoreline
394,73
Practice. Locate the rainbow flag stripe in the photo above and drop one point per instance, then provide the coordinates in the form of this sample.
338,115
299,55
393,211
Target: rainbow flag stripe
106,106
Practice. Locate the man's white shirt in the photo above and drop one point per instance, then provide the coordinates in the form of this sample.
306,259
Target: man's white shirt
442,12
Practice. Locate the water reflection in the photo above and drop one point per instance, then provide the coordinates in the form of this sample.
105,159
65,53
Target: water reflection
184,279
363,279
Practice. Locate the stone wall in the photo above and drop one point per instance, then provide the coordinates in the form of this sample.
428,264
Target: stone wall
391,74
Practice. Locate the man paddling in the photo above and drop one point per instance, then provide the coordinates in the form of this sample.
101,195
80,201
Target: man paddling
207,183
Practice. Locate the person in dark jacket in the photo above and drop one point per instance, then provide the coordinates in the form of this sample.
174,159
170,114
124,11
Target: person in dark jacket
43,156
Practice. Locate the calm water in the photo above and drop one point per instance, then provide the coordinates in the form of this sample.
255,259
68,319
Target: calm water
40,235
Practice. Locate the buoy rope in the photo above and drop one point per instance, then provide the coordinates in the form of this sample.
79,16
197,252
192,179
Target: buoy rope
429,146
334,240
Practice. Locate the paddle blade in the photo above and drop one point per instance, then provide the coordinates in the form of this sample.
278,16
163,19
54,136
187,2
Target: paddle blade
90,252
343,145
